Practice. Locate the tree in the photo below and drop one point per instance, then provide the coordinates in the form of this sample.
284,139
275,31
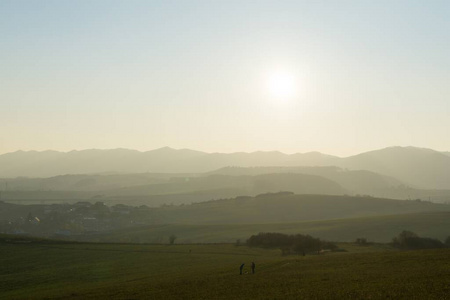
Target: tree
361,241
403,237
410,240
172,239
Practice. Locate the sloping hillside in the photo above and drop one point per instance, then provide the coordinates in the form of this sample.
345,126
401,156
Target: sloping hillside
423,168
288,207
298,183
354,181
374,229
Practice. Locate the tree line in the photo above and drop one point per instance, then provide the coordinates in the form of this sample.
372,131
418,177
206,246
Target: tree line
290,244
410,240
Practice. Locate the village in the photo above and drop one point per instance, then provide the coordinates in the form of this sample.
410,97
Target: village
63,220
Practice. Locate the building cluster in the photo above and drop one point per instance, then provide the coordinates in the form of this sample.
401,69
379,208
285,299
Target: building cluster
81,218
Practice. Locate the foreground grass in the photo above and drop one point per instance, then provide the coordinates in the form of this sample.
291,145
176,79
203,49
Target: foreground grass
105,271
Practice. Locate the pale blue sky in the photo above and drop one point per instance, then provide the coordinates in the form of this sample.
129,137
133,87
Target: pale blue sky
192,74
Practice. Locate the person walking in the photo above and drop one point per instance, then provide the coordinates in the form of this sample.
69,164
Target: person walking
241,268
253,267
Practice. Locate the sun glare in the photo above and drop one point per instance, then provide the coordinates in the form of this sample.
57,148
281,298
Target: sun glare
282,85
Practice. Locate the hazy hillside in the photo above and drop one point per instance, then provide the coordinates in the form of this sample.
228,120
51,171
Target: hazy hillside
260,158
355,182
251,185
52,163
374,229
165,183
87,182
163,160
288,207
157,189
421,168
424,168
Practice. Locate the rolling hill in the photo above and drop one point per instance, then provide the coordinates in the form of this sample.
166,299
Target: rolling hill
288,207
375,229
249,185
355,182
415,167
423,168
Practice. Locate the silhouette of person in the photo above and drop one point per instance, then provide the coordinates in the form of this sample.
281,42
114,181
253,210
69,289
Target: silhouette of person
241,268
253,267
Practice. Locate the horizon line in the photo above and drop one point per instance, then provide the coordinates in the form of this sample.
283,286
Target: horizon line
214,152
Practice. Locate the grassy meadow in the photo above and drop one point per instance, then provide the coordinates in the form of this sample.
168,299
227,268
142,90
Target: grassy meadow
379,229
40,270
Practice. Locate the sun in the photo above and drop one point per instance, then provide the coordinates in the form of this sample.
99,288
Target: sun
281,85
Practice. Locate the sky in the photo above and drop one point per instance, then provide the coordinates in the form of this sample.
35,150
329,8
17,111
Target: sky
338,77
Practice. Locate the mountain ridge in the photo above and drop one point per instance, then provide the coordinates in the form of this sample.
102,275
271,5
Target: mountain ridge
416,167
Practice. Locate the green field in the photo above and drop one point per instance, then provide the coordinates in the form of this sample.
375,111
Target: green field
124,271
376,229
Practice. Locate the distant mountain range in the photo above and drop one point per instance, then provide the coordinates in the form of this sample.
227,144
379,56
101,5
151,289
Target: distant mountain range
414,167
